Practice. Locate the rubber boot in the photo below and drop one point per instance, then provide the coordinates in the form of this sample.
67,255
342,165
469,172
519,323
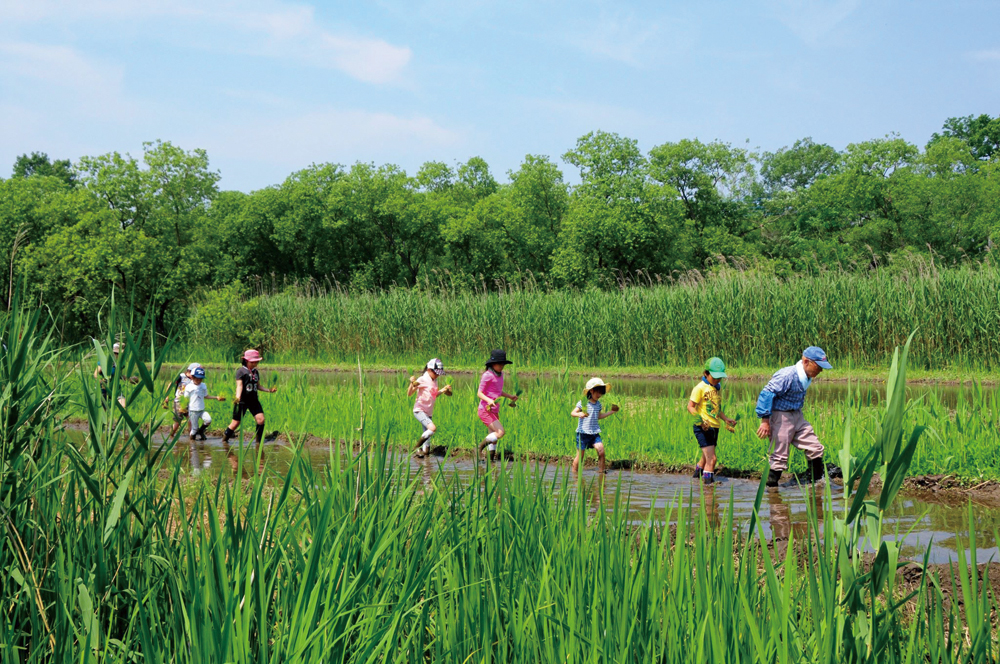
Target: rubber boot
227,434
817,470
201,432
480,448
697,472
419,451
772,478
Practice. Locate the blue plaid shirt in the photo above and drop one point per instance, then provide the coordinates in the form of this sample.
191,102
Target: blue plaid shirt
783,392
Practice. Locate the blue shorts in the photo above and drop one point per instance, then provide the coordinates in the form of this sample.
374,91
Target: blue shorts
585,441
708,438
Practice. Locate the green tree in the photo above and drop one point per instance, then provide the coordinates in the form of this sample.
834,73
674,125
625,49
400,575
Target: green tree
38,163
981,133
797,167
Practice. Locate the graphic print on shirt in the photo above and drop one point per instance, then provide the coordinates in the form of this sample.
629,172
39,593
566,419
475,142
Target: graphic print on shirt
251,380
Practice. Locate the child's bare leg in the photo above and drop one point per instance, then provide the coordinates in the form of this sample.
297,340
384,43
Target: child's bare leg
709,459
599,448
577,460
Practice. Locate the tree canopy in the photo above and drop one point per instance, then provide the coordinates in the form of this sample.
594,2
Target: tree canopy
158,230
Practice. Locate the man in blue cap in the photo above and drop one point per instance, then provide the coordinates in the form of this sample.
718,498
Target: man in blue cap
779,408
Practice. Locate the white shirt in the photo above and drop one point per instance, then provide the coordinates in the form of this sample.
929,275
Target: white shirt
185,381
803,378
196,395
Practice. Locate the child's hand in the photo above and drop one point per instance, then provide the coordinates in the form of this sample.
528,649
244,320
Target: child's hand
413,381
274,390
236,401
614,408
220,398
704,426
446,390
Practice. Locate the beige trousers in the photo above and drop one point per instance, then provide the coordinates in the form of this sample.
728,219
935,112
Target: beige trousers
789,428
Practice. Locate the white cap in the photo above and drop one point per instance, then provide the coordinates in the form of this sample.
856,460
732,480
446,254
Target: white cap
437,366
116,348
193,366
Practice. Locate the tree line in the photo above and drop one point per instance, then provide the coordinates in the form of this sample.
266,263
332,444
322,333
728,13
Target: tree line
158,231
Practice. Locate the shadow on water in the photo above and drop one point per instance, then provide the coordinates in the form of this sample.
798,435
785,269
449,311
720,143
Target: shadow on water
917,521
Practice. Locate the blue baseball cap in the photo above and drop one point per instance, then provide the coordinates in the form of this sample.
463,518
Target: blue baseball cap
199,373
817,355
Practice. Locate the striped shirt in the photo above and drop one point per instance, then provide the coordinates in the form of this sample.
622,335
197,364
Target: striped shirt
784,391
589,424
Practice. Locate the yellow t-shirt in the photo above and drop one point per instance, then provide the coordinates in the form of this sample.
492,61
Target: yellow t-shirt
709,403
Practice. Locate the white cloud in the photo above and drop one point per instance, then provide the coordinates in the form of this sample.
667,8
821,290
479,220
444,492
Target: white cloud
69,77
272,28
811,20
986,55
342,136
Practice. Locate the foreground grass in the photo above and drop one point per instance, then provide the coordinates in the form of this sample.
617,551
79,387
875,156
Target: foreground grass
110,557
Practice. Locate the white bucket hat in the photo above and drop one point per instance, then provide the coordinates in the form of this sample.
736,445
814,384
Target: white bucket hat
596,382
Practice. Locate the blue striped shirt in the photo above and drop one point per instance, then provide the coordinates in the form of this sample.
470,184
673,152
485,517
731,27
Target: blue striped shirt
783,392
590,423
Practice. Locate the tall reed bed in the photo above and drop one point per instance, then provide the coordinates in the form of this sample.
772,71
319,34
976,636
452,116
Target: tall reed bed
751,319
110,557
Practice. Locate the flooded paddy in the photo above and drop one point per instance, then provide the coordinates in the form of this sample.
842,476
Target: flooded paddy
920,520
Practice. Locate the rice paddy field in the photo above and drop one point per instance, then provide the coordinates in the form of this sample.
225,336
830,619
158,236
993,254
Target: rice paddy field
115,551
652,429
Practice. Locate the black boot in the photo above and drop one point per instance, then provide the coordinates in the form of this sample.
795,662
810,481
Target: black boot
772,478
227,434
200,433
697,473
817,470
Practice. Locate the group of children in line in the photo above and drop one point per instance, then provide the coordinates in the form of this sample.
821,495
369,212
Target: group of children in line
705,404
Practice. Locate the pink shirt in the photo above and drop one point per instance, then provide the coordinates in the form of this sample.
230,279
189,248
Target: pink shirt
427,391
491,385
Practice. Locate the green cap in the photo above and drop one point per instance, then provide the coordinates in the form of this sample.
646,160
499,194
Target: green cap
716,367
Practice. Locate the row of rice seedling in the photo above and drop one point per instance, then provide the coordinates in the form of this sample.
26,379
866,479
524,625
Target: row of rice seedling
748,318
963,440
110,557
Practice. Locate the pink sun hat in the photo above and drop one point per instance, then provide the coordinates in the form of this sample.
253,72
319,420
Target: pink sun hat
251,356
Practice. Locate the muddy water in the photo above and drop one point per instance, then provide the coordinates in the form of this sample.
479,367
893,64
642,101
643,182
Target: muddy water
921,522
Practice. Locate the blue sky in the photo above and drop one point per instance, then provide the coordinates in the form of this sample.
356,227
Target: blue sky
270,86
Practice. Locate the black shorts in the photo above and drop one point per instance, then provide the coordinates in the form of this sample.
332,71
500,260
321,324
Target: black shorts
708,438
253,407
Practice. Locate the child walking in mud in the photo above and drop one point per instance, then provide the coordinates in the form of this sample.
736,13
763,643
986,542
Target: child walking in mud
195,394
247,399
426,388
491,389
588,430
179,384
705,404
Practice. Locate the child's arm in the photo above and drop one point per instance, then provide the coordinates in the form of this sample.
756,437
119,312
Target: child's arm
411,389
578,412
693,408
486,399
606,413
512,397
98,373
239,391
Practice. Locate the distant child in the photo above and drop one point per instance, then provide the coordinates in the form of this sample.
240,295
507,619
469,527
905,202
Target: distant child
195,394
247,398
112,369
491,389
426,388
706,405
179,384
588,431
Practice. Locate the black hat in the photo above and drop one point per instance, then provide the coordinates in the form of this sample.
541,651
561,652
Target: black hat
498,357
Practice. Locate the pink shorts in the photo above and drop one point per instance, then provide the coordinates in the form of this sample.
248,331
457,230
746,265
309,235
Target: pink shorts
489,416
